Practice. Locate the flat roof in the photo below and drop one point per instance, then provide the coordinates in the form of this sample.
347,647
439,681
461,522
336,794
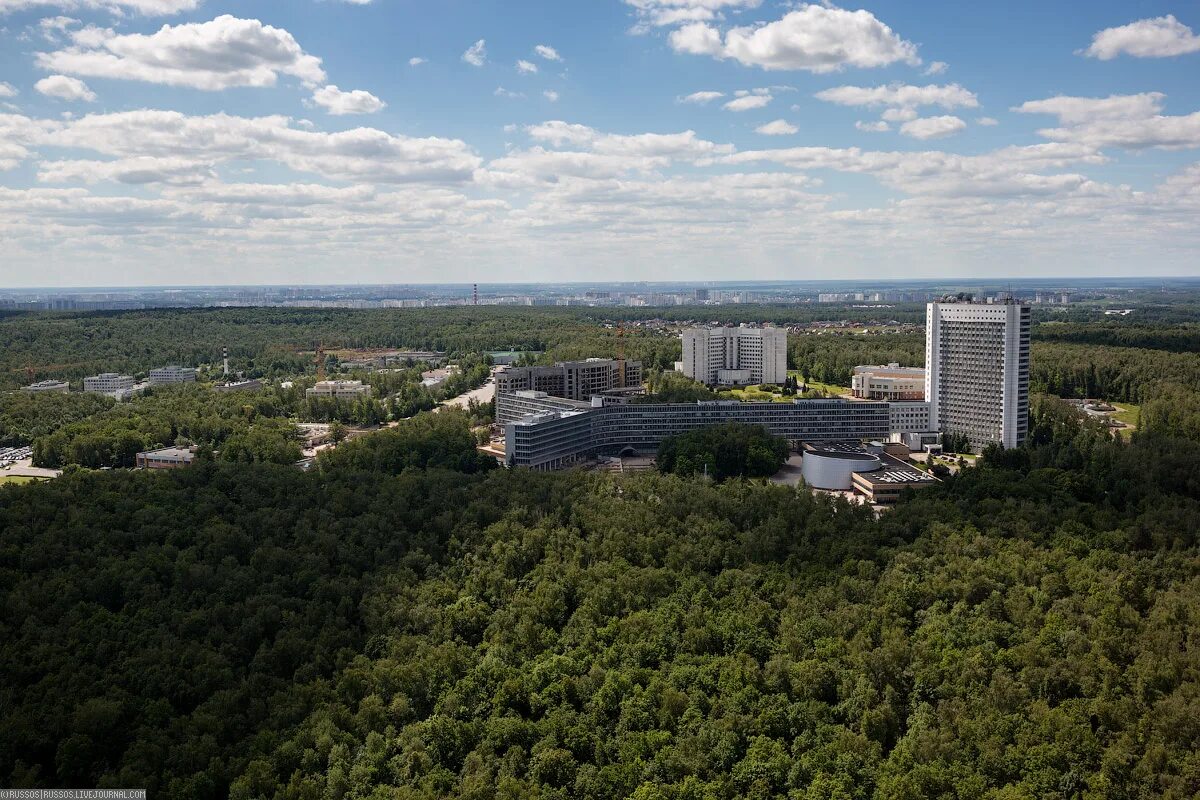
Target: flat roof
174,452
894,472
842,454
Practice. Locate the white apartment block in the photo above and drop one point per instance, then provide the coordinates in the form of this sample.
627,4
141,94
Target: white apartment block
977,371
61,387
339,390
172,374
891,382
735,356
110,383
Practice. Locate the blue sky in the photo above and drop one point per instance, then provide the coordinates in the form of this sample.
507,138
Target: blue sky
196,141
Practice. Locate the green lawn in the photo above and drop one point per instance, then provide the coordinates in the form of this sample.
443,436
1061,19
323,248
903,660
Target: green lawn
15,479
1128,414
828,388
756,395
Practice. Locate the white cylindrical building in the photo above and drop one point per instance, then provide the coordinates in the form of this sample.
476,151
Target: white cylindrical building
834,469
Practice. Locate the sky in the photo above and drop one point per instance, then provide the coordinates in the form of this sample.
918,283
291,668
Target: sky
199,142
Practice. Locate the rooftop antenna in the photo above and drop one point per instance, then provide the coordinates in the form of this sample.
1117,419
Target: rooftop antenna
320,359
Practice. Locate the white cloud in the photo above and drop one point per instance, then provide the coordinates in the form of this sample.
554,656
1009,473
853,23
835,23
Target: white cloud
873,127
748,102
502,92
987,122
7,90
936,68
417,61
899,114
476,54
779,127
53,27
700,98
219,54
526,67
898,95
547,52
813,38
1131,122
1007,172
674,12
17,135
684,145
1080,110
358,154
1160,37
146,7
933,127
65,88
137,171
339,103
550,95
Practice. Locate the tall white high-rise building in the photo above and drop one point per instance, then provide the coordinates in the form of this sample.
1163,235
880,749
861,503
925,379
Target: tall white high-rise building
735,356
977,371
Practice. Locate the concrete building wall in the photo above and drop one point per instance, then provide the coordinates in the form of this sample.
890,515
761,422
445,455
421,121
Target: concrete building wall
574,380
61,387
890,382
172,374
977,371
641,427
108,383
909,416
835,471
721,355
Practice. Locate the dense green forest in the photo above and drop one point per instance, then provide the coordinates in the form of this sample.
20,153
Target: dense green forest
722,452
1076,353
92,430
25,417
244,426
1026,629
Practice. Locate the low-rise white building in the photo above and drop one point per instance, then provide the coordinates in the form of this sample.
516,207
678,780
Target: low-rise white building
41,387
110,383
889,382
339,390
172,374
166,458
252,385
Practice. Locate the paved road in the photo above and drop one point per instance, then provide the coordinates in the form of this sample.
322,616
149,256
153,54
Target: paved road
27,469
483,394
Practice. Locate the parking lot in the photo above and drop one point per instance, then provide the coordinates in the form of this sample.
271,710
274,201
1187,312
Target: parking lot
17,462
11,455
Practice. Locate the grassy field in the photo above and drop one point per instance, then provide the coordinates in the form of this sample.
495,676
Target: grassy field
1128,414
828,388
753,394
17,479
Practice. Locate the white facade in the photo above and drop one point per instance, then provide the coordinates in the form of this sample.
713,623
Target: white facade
890,382
62,387
172,374
977,371
109,383
730,356
909,416
339,390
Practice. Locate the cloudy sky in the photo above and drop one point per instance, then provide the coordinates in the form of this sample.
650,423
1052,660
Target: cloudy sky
337,141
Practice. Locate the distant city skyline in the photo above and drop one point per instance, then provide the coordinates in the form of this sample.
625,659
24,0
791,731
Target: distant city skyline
331,142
